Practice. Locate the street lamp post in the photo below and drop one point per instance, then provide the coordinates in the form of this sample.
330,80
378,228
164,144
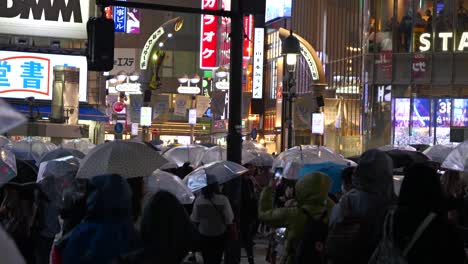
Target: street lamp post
193,91
290,50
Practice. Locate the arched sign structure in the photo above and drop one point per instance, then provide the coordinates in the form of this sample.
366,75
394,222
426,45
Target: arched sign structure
170,27
310,55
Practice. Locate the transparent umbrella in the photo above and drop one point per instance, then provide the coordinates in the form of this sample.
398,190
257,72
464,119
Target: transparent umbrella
215,172
292,160
57,175
188,153
83,145
262,159
457,159
60,153
5,142
251,145
8,168
165,181
396,147
128,159
32,148
218,153
9,117
439,153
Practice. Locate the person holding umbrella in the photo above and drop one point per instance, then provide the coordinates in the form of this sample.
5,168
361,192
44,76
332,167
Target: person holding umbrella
212,213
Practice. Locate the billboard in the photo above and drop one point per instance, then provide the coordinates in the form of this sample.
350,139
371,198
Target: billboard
421,121
443,116
401,120
209,36
24,74
277,8
460,115
55,18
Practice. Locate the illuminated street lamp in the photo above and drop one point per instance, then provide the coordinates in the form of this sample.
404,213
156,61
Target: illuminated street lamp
290,50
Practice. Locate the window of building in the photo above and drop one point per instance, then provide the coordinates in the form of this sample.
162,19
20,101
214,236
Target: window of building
381,24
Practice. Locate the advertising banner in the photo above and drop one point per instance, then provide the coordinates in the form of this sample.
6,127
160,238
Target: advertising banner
460,112
31,74
203,103
124,60
257,88
161,107
443,116
180,108
51,18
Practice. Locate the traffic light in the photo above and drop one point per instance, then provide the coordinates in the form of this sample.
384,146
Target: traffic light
100,50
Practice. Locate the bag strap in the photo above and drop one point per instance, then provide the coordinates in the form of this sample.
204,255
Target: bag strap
221,215
419,232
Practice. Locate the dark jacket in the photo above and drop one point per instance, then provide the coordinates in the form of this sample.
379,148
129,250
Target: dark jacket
421,194
166,232
107,230
371,197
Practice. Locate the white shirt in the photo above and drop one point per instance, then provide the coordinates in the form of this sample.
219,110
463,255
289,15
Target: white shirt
212,221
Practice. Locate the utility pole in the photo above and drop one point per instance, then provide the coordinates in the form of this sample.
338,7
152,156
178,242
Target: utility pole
234,138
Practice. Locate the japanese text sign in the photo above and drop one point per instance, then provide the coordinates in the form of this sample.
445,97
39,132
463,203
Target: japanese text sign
248,28
208,36
257,88
120,19
31,74
124,60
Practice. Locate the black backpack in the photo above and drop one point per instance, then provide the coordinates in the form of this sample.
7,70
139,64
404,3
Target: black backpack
311,248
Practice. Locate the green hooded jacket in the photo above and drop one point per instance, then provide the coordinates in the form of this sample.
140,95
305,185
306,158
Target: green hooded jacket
311,194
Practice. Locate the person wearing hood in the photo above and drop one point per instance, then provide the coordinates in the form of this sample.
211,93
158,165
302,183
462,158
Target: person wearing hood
369,199
107,231
166,232
311,195
421,194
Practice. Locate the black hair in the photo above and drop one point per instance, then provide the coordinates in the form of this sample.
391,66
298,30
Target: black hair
209,191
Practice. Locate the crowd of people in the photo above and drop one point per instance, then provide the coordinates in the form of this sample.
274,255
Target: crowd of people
110,219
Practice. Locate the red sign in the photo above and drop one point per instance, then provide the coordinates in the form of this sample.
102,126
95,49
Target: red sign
118,107
248,39
208,36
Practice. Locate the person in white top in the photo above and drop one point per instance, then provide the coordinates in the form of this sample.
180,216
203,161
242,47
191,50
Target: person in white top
212,213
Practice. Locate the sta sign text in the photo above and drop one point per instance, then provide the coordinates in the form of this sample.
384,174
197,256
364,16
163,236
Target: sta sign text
45,18
444,37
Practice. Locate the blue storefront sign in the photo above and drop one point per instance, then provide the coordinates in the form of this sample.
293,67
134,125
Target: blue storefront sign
120,19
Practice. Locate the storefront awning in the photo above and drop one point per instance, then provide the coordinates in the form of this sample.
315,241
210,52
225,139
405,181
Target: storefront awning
85,112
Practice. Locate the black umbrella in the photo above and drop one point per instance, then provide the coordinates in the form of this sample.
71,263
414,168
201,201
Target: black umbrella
405,158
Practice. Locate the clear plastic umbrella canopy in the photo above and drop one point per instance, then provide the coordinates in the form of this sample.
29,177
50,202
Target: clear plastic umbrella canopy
397,147
218,153
5,142
56,175
9,117
457,159
439,153
165,181
83,145
32,149
215,172
128,159
251,145
8,168
262,159
292,160
60,153
188,153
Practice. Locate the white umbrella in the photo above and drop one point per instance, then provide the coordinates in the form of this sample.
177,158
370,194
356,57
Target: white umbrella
439,153
215,172
5,142
292,160
188,153
128,159
165,181
218,153
398,147
457,159
60,153
32,148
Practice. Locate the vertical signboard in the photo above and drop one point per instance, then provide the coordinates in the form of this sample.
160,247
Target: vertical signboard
120,19
192,117
248,28
145,116
208,36
257,88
